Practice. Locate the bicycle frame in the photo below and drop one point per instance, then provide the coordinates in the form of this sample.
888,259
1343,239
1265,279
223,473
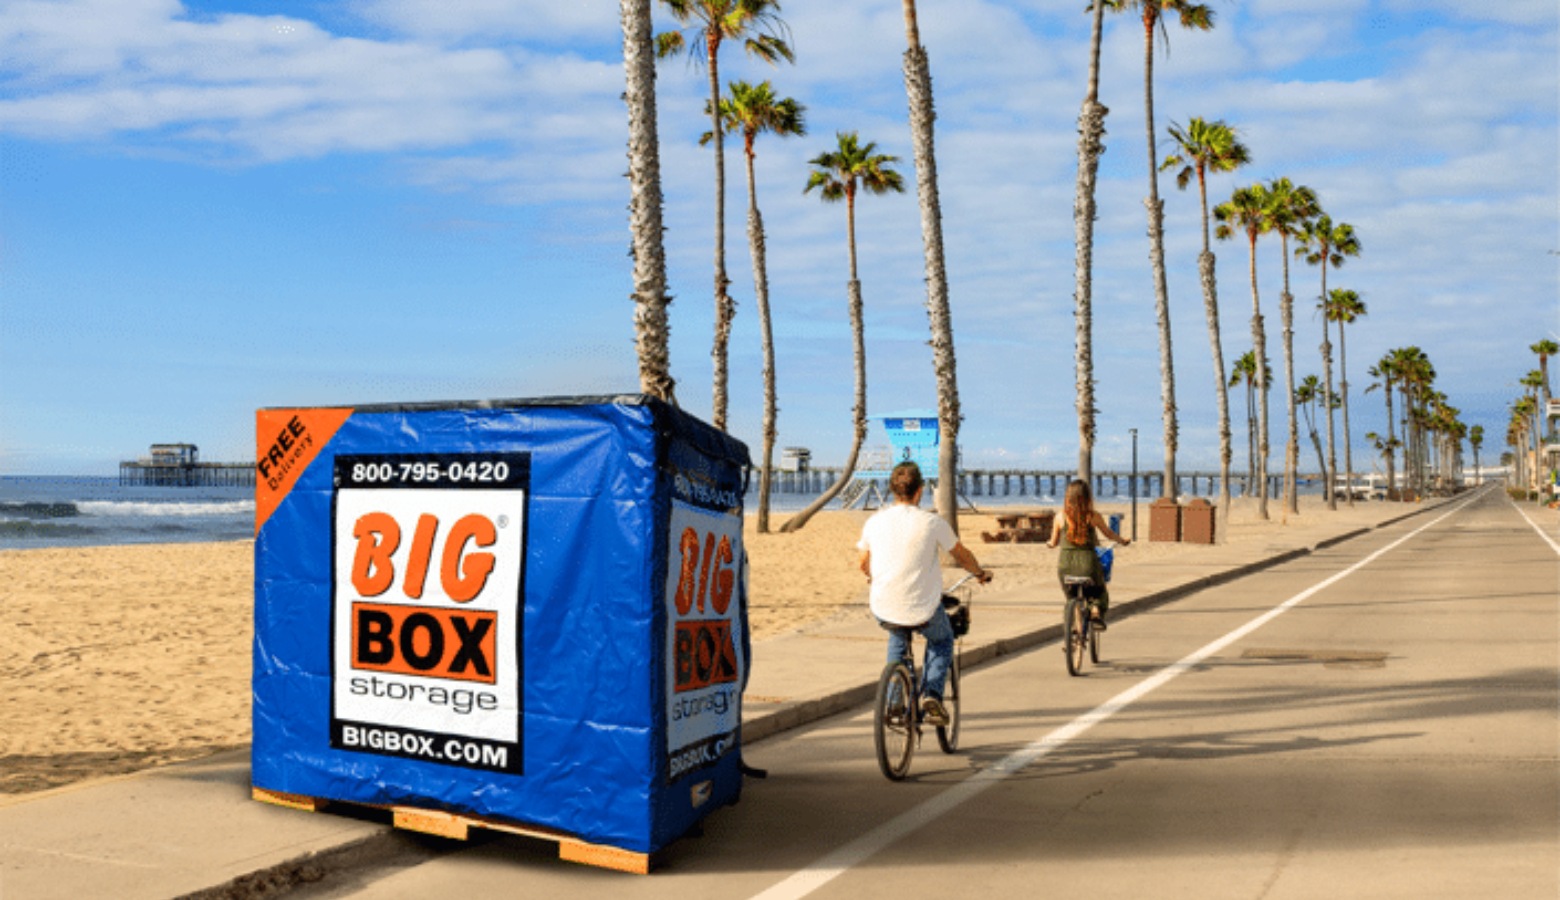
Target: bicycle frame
897,714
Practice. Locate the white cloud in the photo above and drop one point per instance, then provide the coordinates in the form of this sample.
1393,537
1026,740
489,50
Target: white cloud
274,88
538,20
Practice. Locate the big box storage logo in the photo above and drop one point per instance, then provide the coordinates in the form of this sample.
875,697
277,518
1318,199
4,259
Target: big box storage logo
428,582
704,654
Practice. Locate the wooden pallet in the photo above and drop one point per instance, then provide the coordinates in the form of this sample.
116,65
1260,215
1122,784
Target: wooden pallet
459,826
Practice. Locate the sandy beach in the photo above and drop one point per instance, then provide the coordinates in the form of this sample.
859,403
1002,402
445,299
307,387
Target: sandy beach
113,659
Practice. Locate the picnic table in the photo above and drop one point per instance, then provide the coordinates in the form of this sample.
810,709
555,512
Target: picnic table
1021,528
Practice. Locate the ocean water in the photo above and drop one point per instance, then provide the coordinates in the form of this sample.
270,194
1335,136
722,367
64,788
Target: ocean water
44,511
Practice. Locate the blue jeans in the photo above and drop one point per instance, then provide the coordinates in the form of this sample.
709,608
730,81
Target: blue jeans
938,633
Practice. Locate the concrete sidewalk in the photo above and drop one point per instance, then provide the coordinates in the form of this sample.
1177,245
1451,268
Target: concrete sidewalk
191,828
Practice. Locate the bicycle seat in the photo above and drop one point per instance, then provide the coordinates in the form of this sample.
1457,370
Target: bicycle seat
1077,579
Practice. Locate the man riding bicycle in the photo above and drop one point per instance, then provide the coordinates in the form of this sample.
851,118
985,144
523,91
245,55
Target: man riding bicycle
899,555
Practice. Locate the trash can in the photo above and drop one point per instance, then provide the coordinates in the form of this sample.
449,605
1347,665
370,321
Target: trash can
1164,520
508,613
1197,522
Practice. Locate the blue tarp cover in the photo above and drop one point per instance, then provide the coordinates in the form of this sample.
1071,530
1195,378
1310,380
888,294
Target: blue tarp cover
527,610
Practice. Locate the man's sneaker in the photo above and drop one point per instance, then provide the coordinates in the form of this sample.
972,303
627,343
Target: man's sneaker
932,711
1097,621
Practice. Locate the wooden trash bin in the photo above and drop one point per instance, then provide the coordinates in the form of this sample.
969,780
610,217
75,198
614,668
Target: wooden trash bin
1197,522
1164,520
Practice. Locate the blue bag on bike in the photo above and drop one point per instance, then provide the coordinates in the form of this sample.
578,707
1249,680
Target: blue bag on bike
1106,555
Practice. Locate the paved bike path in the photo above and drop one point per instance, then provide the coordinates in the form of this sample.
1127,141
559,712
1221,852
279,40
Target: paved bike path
192,827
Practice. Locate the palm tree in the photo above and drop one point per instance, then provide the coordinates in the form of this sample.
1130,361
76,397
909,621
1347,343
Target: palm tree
1193,16
1323,243
918,93
1091,143
1344,307
839,175
1545,349
757,24
1516,431
1246,213
1415,374
1476,440
1201,148
1386,371
644,177
753,110
1245,372
1289,206
1307,395
1534,382
1522,415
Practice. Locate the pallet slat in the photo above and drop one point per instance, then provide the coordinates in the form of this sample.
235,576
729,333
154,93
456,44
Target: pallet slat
458,827
291,801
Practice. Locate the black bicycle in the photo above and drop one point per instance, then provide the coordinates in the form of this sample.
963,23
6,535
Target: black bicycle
1078,631
896,717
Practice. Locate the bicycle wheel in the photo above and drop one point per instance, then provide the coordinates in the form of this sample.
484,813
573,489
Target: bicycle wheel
1074,633
948,735
1094,645
893,720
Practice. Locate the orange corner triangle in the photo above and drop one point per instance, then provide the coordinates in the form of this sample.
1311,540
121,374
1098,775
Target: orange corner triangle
286,442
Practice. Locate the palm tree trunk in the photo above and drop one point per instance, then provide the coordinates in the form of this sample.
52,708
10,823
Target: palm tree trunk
1343,384
725,309
918,91
1391,440
755,228
1327,398
1205,274
1332,457
1259,345
1316,441
1251,433
1156,257
859,340
1411,431
1286,312
848,473
1091,134
651,333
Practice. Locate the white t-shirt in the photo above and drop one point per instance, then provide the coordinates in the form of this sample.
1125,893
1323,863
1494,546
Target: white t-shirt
904,542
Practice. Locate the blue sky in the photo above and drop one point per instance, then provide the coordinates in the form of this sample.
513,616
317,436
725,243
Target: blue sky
211,207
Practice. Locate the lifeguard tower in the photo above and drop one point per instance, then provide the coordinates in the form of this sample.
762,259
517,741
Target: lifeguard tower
912,437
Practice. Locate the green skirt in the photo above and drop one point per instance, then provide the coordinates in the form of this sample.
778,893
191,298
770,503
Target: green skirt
1083,561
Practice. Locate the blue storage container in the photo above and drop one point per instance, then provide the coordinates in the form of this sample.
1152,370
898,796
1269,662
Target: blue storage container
532,611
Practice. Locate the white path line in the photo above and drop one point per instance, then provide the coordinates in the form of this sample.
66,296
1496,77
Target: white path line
848,856
1554,546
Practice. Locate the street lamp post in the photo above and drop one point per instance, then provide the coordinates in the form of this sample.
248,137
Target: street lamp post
1134,482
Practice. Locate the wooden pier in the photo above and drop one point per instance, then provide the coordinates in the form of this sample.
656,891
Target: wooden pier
1004,483
179,465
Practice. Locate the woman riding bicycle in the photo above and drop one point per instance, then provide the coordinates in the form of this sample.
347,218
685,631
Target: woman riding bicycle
1074,531
899,554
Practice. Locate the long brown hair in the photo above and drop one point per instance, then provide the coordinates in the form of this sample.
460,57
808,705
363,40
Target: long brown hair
1078,510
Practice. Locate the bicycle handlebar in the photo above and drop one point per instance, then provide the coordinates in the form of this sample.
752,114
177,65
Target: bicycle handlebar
960,583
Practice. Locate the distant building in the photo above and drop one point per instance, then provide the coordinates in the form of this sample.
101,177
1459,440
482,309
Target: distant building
795,459
179,465
174,455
